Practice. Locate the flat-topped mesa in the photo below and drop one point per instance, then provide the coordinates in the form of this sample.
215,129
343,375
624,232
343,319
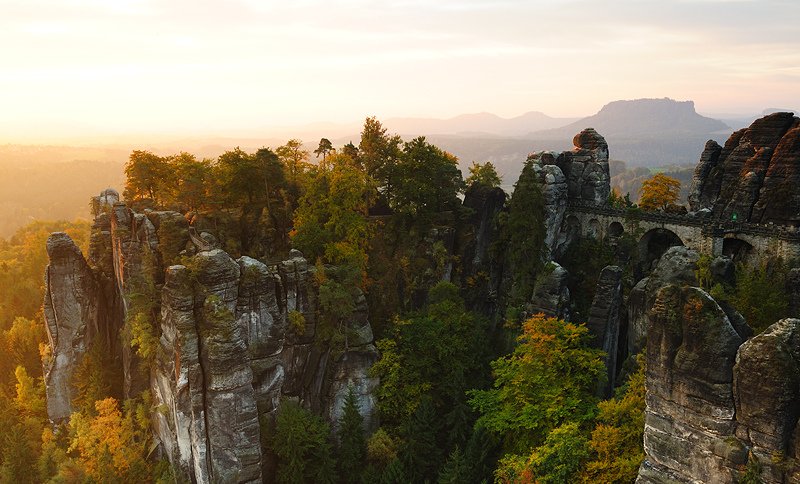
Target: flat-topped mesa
753,178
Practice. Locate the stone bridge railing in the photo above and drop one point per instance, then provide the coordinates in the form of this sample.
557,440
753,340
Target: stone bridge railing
709,225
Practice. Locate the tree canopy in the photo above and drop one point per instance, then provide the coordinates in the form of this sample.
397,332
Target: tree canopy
483,174
659,192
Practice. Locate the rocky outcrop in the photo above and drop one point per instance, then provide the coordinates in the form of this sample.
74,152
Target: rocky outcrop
690,415
71,311
481,272
209,389
766,382
718,406
579,175
550,293
700,196
604,321
752,178
793,290
235,338
676,266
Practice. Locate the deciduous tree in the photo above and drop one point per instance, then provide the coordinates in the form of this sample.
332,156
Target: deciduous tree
483,174
659,192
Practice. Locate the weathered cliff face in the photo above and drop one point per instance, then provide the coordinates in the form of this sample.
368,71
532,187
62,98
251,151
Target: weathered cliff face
691,350
71,314
718,404
604,321
551,294
481,270
579,175
228,353
754,175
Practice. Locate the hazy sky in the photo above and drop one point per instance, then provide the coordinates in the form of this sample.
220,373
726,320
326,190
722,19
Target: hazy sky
71,67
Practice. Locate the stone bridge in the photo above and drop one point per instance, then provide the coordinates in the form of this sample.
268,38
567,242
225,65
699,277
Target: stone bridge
656,232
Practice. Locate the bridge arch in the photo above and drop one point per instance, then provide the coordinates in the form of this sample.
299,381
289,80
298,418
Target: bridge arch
615,229
654,243
737,249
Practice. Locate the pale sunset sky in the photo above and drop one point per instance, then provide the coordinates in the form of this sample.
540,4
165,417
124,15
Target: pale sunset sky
70,68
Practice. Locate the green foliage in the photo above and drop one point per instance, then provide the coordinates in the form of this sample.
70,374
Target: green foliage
302,444
394,473
429,180
331,222
483,174
381,450
92,378
325,147
298,321
619,202
456,470
703,271
171,241
752,471
141,329
616,441
294,159
523,233
561,455
584,259
548,381
352,450
378,156
421,454
759,295
147,176
439,353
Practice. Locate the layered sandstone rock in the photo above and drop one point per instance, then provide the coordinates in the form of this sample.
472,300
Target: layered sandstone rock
580,175
235,337
691,350
551,294
604,320
766,382
754,175
72,311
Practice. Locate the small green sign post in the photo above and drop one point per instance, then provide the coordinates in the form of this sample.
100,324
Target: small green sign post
734,216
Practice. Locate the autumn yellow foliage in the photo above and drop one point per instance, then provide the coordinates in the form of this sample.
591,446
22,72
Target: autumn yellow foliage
659,192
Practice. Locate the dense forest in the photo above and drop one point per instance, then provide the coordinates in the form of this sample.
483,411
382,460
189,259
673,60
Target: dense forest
467,393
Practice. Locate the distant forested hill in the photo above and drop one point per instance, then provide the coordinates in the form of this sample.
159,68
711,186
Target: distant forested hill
51,190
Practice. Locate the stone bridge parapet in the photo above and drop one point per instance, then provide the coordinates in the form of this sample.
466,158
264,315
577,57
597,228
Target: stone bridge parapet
747,242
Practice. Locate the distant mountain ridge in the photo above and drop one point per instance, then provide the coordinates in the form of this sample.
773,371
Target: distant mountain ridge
476,123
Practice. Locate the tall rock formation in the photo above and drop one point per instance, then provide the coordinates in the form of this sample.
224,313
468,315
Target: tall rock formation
604,321
71,313
691,350
754,176
718,406
580,175
235,338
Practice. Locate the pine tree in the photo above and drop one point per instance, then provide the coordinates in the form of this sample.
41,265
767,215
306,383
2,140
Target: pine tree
394,473
456,470
421,453
352,444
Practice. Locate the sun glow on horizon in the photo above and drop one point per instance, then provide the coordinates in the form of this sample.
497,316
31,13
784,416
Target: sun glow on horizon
90,67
